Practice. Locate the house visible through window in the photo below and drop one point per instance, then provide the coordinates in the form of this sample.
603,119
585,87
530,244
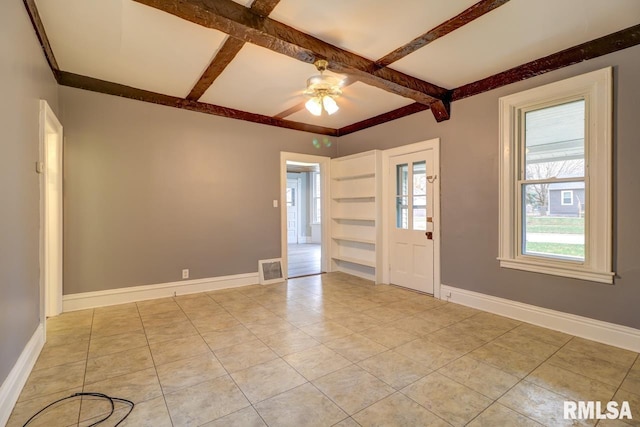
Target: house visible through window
555,178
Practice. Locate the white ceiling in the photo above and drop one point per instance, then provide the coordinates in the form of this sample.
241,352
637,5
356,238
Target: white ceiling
370,28
135,45
513,34
128,43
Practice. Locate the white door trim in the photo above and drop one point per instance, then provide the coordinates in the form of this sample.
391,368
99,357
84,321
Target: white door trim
50,168
387,220
325,173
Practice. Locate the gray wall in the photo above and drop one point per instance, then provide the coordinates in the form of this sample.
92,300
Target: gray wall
469,192
25,78
150,190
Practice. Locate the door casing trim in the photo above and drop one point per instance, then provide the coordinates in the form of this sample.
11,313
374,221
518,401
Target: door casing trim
51,214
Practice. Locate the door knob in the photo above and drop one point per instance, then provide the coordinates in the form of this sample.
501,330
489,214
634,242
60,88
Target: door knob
429,235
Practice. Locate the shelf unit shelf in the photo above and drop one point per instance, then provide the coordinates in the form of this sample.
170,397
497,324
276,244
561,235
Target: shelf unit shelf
354,198
356,212
354,218
355,261
354,239
355,176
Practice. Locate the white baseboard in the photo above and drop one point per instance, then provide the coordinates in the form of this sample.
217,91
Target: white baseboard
17,378
596,330
86,300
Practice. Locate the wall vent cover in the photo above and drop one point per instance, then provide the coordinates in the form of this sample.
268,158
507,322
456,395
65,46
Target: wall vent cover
270,271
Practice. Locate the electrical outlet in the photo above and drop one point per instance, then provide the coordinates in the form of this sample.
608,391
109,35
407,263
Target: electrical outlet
185,273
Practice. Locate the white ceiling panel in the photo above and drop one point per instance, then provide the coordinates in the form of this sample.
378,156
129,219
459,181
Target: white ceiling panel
261,81
516,33
371,28
358,102
128,43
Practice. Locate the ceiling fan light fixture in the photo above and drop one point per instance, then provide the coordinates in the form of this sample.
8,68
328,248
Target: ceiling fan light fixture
330,105
314,106
322,91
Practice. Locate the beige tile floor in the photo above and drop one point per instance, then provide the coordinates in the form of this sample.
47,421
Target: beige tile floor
330,350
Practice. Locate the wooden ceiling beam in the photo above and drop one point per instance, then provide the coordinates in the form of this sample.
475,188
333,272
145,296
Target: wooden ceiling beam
264,7
611,43
474,12
239,22
229,49
109,88
32,10
383,118
592,49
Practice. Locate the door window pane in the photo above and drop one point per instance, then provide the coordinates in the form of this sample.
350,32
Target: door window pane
402,193
557,232
419,196
554,141
402,212
291,196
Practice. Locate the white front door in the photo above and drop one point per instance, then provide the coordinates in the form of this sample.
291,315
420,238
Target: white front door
293,202
411,233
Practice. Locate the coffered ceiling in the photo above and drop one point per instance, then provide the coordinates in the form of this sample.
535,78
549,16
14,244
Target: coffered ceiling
249,60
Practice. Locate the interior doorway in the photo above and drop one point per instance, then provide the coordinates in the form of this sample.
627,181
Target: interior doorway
50,169
304,218
304,181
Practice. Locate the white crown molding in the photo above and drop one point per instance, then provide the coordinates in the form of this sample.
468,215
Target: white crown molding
17,378
86,300
584,327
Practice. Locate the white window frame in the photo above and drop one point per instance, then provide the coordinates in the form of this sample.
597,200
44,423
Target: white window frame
315,199
596,88
570,193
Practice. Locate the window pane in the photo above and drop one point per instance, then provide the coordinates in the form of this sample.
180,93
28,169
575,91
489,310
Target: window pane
402,201
553,229
402,179
316,184
291,197
554,141
402,212
419,196
318,211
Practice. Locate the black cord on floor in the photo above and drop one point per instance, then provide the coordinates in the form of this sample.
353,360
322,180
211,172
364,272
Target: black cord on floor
99,395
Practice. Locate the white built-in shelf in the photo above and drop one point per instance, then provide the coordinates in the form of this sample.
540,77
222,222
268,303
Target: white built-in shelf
355,239
354,218
355,261
356,211
358,176
354,198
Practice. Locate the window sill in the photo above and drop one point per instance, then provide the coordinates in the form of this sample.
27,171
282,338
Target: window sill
558,270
